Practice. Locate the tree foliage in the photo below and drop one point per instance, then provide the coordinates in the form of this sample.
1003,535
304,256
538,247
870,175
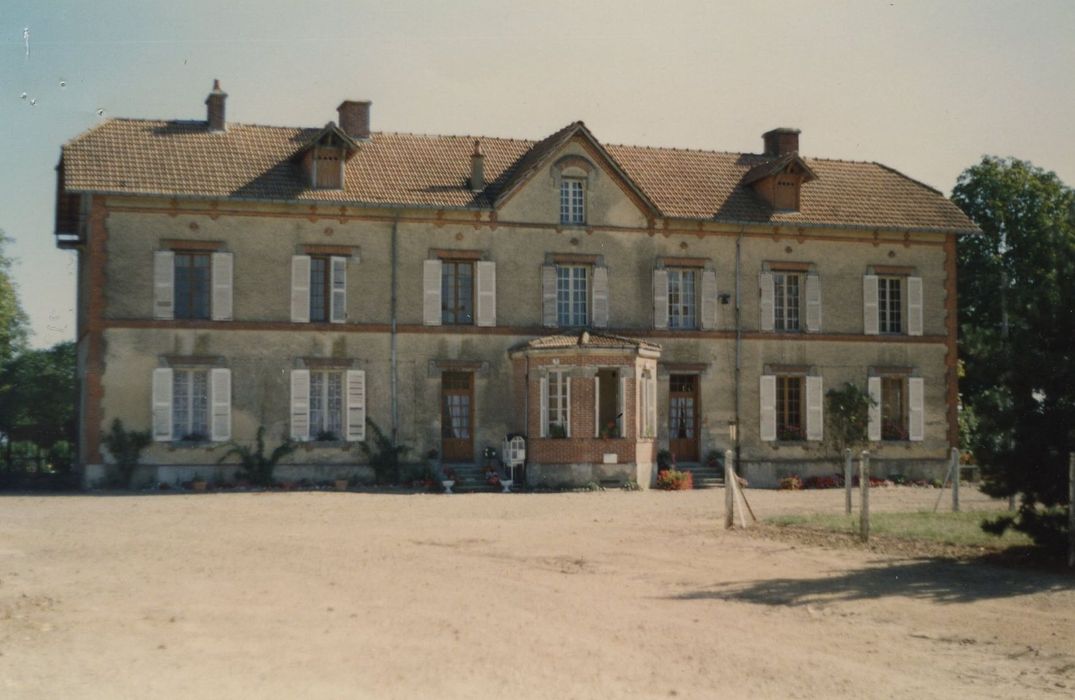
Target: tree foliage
13,320
37,396
847,413
1017,332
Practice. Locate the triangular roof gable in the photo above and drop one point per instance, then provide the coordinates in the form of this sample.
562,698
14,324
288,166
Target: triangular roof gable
329,133
775,167
542,152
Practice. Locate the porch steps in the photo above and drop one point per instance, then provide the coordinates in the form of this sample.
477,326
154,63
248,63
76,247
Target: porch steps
473,479
705,477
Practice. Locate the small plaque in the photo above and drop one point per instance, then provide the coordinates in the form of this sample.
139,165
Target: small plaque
611,458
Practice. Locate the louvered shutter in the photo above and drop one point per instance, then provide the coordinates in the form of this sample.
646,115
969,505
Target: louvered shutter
300,404
548,296
222,275
813,303
710,300
815,417
914,306
338,284
621,421
870,324
543,429
431,301
486,272
660,299
600,297
766,305
220,401
164,284
597,406
356,405
567,409
300,288
916,409
873,387
767,402
162,404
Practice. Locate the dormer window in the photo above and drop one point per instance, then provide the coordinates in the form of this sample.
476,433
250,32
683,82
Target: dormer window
328,168
779,182
572,201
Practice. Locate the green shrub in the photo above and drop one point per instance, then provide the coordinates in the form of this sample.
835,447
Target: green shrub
383,455
126,447
255,466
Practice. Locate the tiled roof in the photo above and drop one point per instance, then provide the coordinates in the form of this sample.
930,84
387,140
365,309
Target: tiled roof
182,158
587,339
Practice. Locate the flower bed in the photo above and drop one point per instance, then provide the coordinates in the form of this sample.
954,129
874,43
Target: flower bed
674,480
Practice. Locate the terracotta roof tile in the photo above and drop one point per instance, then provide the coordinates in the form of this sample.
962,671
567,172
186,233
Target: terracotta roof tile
182,158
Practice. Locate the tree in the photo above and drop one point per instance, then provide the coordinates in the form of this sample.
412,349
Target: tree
13,320
37,397
847,412
1017,335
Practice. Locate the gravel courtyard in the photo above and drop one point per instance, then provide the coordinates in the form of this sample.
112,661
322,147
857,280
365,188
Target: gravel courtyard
578,595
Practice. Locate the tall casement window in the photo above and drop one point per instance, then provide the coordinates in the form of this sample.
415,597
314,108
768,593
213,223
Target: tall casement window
890,318
682,298
572,295
789,408
457,292
192,284
792,408
893,409
786,300
191,404
318,288
556,405
328,404
898,409
572,201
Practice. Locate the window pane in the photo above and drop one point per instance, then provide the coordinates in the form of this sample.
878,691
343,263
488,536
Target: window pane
317,403
180,404
199,404
319,289
334,404
789,408
893,425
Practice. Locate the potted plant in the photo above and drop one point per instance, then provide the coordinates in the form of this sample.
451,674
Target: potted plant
342,482
450,477
198,483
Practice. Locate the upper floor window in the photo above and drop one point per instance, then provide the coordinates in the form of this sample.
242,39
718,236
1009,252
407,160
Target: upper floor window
572,295
682,298
319,288
457,292
890,318
192,283
786,300
572,201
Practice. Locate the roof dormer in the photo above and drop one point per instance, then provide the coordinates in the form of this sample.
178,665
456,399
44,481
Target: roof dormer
324,156
779,181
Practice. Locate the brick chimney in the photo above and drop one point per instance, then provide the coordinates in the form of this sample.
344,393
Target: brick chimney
215,104
477,168
355,118
781,141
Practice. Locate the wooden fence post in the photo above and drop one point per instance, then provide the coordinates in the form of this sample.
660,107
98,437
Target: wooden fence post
1071,509
864,485
955,480
729,489
848,481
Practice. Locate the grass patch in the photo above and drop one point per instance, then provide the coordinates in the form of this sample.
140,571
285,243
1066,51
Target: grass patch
958,529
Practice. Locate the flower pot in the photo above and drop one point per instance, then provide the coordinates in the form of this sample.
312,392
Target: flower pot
447,484
506,483
341,484
198,485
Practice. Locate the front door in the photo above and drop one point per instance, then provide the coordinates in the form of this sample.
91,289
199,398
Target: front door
457,416
683,417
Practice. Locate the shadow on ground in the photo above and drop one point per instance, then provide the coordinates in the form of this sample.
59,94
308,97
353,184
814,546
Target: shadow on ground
937,580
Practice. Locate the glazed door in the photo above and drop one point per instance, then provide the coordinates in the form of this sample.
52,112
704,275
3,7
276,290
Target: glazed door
683,417
457,416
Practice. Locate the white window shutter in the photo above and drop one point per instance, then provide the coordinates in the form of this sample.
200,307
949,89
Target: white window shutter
651,408
220,401
873,387
162,404
596,406
431,302
915,409
914,306
543,429
164,284
567,410
870,323
356,405
600,297
548,296
710,300
300,288
621,422
486,311
815,411
767,402
338,284
660,299
221,265
300,404
766,305
813,303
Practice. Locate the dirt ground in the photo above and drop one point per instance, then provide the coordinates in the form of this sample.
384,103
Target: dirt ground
580,595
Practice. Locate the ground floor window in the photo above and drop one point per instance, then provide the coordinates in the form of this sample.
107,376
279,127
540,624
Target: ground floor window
190,404
557,405
789,408
893,409
326,405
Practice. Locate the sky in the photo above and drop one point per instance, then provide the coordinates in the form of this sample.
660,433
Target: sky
924,87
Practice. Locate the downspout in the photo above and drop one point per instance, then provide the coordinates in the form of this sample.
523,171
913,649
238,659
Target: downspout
738,340
393,376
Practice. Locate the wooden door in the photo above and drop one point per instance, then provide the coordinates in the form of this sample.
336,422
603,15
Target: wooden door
683,417
457,416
